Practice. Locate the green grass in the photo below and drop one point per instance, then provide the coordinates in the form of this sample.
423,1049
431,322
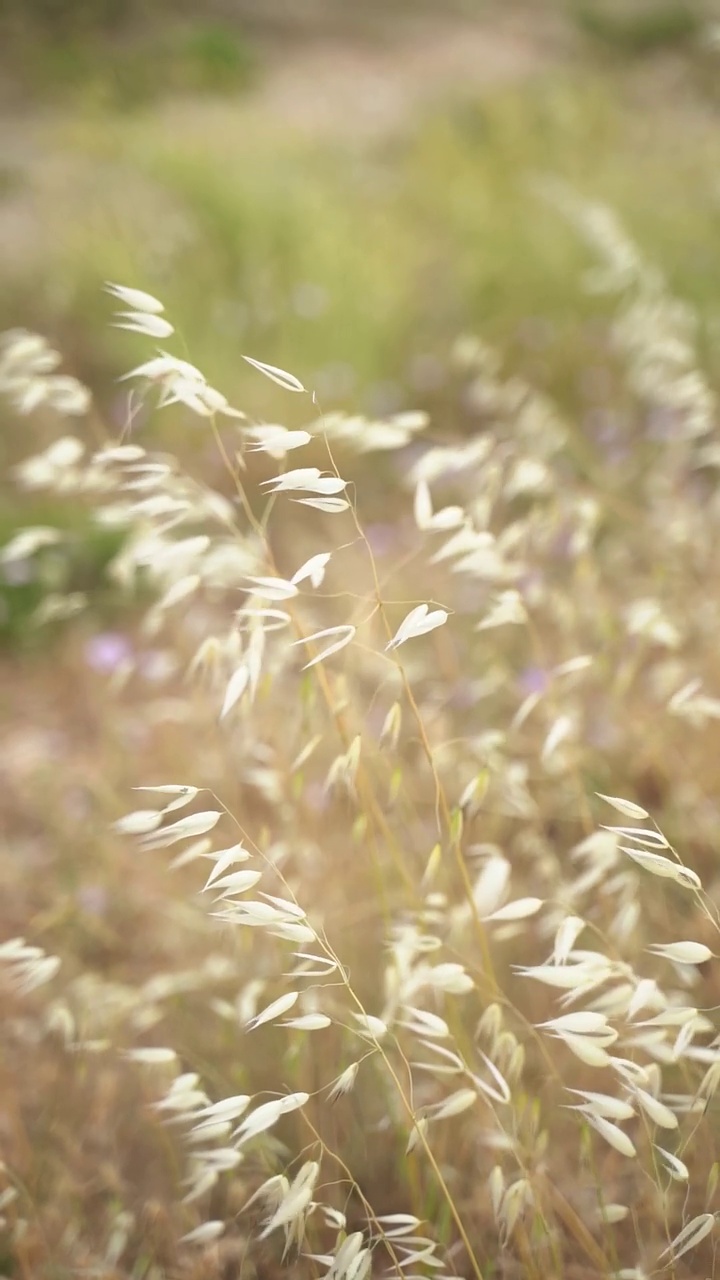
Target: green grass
638,28
368,260
78,563
127,71
355,265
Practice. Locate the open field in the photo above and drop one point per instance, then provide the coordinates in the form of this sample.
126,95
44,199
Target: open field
404,963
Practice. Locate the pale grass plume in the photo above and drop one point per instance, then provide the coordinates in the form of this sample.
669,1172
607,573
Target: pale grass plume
286,380
394,936
418,622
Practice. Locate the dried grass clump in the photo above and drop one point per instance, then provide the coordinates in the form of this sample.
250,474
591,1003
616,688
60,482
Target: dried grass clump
409,981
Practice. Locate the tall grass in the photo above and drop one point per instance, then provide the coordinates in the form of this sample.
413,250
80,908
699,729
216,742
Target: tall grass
400,960
356,260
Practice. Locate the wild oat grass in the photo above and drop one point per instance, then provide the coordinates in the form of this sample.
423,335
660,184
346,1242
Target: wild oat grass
414,901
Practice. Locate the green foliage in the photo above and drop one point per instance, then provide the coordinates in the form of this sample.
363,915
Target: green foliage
637,27
126,73
214,57
353,268
351,265
78,563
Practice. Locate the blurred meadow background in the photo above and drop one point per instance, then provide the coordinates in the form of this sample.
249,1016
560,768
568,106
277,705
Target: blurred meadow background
485,236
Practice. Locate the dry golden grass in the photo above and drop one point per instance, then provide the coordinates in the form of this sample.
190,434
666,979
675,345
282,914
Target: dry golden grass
372,942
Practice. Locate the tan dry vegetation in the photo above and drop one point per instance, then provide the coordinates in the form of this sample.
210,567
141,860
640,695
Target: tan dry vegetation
425,818
508,1021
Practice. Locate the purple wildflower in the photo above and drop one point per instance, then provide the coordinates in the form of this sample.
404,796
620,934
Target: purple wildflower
107,652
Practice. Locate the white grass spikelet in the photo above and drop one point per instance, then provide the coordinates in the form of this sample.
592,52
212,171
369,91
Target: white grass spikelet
626,807
454,1105
274,1010
308,1022
345,633
656,1110
150,326
267,1115
137,299
196,824
314,569
138,823
236,686
691,1235
284,379
682,952
344,1083
520,909
605,1105
665,868
678,1171
331,506
418,622
205,1233
613,1135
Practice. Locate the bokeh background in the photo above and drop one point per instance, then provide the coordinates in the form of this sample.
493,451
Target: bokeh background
348,188
344,190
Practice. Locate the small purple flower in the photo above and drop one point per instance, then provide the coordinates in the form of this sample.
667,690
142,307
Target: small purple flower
533,680
107,652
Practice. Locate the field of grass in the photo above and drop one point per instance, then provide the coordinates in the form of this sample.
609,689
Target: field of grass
358,261
403,962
